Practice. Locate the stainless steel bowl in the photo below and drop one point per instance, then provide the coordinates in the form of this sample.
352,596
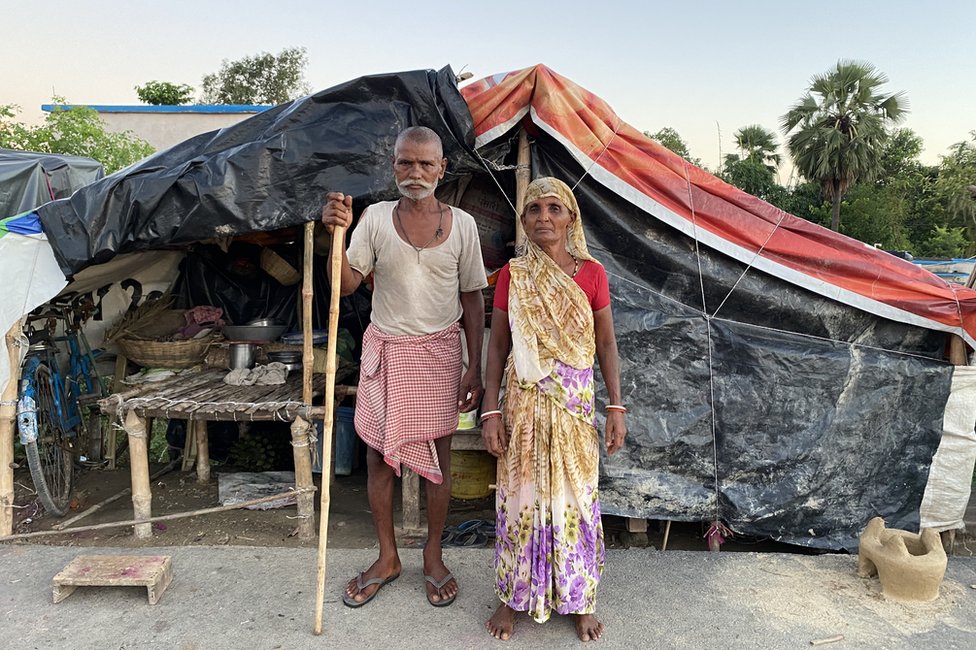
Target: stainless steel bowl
264,322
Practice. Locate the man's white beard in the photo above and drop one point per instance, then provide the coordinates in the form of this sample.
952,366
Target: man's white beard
416,194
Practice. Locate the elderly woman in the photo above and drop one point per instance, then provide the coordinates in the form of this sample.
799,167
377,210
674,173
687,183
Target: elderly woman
552,311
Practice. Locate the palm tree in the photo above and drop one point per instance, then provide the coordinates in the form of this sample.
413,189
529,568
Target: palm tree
758,144
837,130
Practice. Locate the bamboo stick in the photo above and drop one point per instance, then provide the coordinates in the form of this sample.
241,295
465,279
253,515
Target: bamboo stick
338,242
203,450
8,416
523,176
135,427
302,447
150,520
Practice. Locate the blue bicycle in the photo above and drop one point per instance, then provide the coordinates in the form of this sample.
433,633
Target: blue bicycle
57,414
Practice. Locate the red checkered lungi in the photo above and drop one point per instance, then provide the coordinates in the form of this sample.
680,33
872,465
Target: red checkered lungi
408,396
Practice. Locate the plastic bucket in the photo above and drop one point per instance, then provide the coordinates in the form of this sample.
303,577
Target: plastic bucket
472,472
344,436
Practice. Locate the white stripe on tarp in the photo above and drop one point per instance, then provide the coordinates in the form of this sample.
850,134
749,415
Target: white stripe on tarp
499,130
949,484
744,255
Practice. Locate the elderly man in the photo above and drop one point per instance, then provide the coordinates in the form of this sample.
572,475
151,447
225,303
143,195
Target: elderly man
425,257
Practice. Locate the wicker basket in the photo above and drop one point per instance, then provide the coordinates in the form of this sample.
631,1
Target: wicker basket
165,354
275,266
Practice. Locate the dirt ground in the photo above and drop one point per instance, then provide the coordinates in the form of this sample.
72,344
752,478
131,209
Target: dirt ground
350,524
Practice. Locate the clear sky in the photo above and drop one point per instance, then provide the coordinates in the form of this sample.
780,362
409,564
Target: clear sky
698,67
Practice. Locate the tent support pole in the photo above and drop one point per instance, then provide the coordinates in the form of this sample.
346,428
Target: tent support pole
300,428
523,176
8,415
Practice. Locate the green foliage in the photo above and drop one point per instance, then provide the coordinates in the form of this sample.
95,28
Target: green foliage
76,130
876,215
758,145
670,139
749,175
164,93
261,79
945,243
837,130
260,450
956,184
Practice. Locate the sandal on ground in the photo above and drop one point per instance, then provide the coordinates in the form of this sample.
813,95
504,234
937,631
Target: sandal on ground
350,601
443,602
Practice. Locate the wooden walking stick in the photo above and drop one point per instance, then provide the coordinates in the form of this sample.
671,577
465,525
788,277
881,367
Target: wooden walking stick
338,243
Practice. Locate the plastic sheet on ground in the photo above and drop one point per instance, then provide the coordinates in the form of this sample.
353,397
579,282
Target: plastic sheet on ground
238,487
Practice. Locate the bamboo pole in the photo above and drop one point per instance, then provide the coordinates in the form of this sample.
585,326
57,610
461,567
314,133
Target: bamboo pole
523,176
302,448
135,427
203,450
958,356
338,243
8,416
149,520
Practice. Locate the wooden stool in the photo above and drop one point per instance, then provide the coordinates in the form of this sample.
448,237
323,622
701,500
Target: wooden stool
151,571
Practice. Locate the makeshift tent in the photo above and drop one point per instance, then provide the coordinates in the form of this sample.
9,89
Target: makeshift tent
782,379
29,179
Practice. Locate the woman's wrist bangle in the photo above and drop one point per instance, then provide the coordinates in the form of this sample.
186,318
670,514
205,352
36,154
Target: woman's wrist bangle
617,407
489,414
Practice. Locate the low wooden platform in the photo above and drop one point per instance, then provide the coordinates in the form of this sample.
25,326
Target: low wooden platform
154,572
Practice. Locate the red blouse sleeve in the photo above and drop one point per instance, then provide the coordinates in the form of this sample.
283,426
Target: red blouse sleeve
593,280
501,289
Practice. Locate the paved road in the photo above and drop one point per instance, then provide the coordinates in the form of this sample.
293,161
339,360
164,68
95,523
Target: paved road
245,597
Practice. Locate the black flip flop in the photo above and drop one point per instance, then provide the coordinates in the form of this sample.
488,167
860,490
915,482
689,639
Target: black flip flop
438,586
349,601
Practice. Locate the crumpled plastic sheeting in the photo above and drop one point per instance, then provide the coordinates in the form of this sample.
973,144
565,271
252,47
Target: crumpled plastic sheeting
950,484
265,173
238,487
824,415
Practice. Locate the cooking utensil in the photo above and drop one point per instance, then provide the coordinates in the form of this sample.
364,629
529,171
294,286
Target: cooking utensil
241,355
255,333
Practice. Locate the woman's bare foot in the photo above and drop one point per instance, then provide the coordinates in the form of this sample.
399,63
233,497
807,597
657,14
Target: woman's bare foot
381,568
502,623
587,627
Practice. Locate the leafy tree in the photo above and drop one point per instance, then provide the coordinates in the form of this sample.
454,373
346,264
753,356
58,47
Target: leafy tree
671,140
837,130
753,169
945,243
261,79
956,183
749,175
75,130
164,93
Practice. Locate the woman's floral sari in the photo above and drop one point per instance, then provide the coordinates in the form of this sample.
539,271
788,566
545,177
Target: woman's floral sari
549,550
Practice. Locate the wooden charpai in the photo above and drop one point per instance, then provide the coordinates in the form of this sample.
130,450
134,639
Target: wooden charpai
151,571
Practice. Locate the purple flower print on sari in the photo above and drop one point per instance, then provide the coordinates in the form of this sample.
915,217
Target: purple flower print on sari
571,388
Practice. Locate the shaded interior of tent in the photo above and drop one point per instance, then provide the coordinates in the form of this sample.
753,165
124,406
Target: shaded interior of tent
753,402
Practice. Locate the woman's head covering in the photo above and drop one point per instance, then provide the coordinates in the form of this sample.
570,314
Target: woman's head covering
544,187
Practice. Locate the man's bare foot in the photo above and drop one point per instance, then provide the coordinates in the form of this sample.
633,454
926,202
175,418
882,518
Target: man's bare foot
435,568
381,568
587,627
502,623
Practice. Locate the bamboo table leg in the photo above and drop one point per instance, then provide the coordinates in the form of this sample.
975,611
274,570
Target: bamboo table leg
410,492
135,427
303,478
203,450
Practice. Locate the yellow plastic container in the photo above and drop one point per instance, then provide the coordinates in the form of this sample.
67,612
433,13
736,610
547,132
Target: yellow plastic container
472,472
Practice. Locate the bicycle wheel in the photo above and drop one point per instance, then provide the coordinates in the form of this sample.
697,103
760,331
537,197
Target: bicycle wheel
50,456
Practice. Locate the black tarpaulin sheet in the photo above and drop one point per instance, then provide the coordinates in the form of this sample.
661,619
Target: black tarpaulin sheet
29,179
779,412
265,173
